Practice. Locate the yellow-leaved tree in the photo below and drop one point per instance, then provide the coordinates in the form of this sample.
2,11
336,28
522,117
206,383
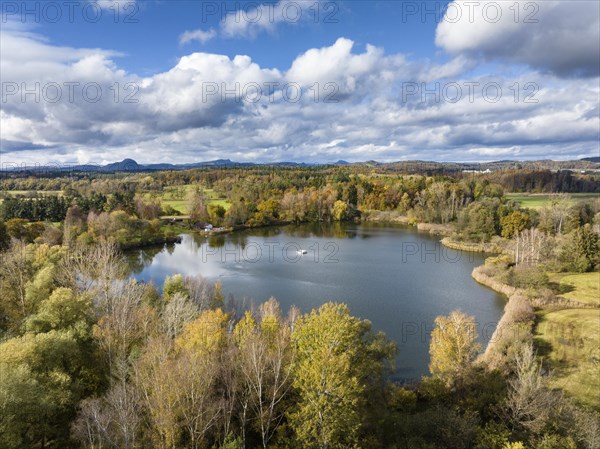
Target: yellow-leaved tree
337,361
453,347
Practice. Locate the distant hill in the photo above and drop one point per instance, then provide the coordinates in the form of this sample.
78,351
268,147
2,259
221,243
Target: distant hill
124,165
591,164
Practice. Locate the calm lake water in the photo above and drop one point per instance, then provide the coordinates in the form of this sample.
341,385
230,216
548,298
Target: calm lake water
395,277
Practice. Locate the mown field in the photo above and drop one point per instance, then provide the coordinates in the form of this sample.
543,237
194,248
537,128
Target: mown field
581,287
573,338
177,197
537,201
570,339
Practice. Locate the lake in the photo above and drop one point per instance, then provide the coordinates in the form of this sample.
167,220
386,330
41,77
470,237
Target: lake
396,277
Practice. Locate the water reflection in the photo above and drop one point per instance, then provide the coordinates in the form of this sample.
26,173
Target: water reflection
397,278
141,259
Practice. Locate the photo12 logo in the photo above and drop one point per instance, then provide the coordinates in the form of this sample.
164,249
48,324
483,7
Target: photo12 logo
420,332
66,169
252,92
469,11
453,92
69,11
436,252
68,92
282,11
272,252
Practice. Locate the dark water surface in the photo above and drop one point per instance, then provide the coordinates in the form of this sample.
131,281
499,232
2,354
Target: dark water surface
395,277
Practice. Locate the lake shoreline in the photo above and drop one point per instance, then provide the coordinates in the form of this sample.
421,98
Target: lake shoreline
477,274
442,230
385,280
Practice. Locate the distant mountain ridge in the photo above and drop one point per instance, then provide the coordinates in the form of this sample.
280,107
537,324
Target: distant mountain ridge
130,165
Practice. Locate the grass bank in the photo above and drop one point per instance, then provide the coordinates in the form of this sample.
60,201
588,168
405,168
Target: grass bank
393,217
490,248
481,276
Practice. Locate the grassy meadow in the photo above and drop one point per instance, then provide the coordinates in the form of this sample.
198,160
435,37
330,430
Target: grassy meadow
31,193
581,287
570,338
177,197
537,201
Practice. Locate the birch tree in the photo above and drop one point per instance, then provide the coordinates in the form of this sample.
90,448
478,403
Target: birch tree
453,347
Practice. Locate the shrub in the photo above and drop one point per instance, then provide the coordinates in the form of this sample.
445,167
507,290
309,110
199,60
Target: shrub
518,310
527,276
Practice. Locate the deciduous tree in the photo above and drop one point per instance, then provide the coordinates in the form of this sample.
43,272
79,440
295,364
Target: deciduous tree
266,365
453,347
334,361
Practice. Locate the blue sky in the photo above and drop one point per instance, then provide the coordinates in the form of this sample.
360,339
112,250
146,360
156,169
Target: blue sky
383,80
148,31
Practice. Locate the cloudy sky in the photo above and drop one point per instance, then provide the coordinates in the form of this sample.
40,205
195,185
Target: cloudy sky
298,80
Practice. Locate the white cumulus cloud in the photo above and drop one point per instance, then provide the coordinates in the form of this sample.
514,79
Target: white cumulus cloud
200,108
561,37
254,18
201,36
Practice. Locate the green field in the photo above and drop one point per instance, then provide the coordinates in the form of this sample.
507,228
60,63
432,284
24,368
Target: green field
32,193
581,287
174,196
537,201
177,197
572,338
